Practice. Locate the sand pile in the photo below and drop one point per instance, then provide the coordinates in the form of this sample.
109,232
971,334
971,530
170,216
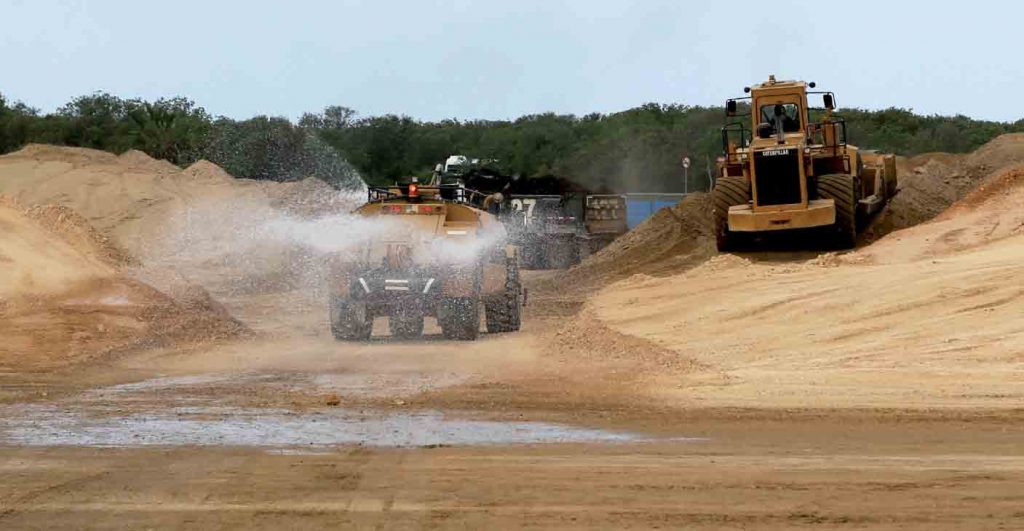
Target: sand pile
312,197
994,210
204,170
64,298
36,259
671,239
835,331
76,230
137,160
931,182
1002,151
1000,191
132,197
119,196
680,237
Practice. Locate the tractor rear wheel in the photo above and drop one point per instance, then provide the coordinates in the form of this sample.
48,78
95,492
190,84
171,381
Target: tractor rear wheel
459,318
350,320
503,313
728,192
842,188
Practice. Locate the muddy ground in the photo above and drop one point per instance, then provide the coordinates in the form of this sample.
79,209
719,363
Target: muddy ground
294,430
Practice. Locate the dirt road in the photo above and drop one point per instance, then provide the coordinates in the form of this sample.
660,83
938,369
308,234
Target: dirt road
252,435
751,475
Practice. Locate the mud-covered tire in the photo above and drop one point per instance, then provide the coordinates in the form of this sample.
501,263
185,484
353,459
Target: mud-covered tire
728,192
504,314
460,318
349,320
406,325
842,189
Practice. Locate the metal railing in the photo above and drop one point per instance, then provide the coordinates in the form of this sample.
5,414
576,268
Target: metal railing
453,193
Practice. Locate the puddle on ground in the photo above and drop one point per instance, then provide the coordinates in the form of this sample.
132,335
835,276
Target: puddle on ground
50,425
202,411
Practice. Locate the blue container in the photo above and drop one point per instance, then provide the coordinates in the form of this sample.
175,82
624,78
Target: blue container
639,207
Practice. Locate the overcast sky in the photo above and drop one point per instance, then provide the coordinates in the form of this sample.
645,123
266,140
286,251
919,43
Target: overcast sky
505,58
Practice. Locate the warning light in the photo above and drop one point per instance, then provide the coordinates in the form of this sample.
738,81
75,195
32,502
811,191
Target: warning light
414,190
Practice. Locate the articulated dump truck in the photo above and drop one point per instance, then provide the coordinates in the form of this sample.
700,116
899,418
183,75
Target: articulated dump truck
428,253
793,169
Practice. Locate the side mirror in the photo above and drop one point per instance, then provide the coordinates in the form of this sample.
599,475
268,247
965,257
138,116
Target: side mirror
730,107
764,130
830,102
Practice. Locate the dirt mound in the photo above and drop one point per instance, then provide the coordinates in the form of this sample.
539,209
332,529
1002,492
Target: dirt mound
1002,151
64,300
36,259
312,197
931,182
133,198
673,238
997,188
924,332
138,160
100,317
205,170
992,211
835,330
76,230
69,155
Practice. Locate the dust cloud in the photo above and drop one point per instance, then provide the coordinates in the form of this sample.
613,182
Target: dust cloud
246,246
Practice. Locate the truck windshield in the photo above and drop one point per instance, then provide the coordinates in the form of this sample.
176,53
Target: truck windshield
790,116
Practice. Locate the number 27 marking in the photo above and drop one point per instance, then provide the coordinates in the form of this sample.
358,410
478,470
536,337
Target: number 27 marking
528,204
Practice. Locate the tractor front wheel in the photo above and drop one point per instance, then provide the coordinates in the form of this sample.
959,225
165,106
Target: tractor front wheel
842,189
728,192
350,320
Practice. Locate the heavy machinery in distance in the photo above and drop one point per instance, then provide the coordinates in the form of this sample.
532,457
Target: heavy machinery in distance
554,221
432,254
793,169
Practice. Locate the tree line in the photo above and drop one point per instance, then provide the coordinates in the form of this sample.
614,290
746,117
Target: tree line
637,150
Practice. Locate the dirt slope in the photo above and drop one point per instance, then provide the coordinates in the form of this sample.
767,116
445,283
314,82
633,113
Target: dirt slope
931,182
64,299
35,260
681,237
992,211
673,239
926,317
131,197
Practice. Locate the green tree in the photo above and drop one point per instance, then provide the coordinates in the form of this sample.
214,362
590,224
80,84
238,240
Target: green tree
172,129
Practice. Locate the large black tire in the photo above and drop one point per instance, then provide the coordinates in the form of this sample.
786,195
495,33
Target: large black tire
460,318
842,188
350,320
503,314
406,325
728,191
